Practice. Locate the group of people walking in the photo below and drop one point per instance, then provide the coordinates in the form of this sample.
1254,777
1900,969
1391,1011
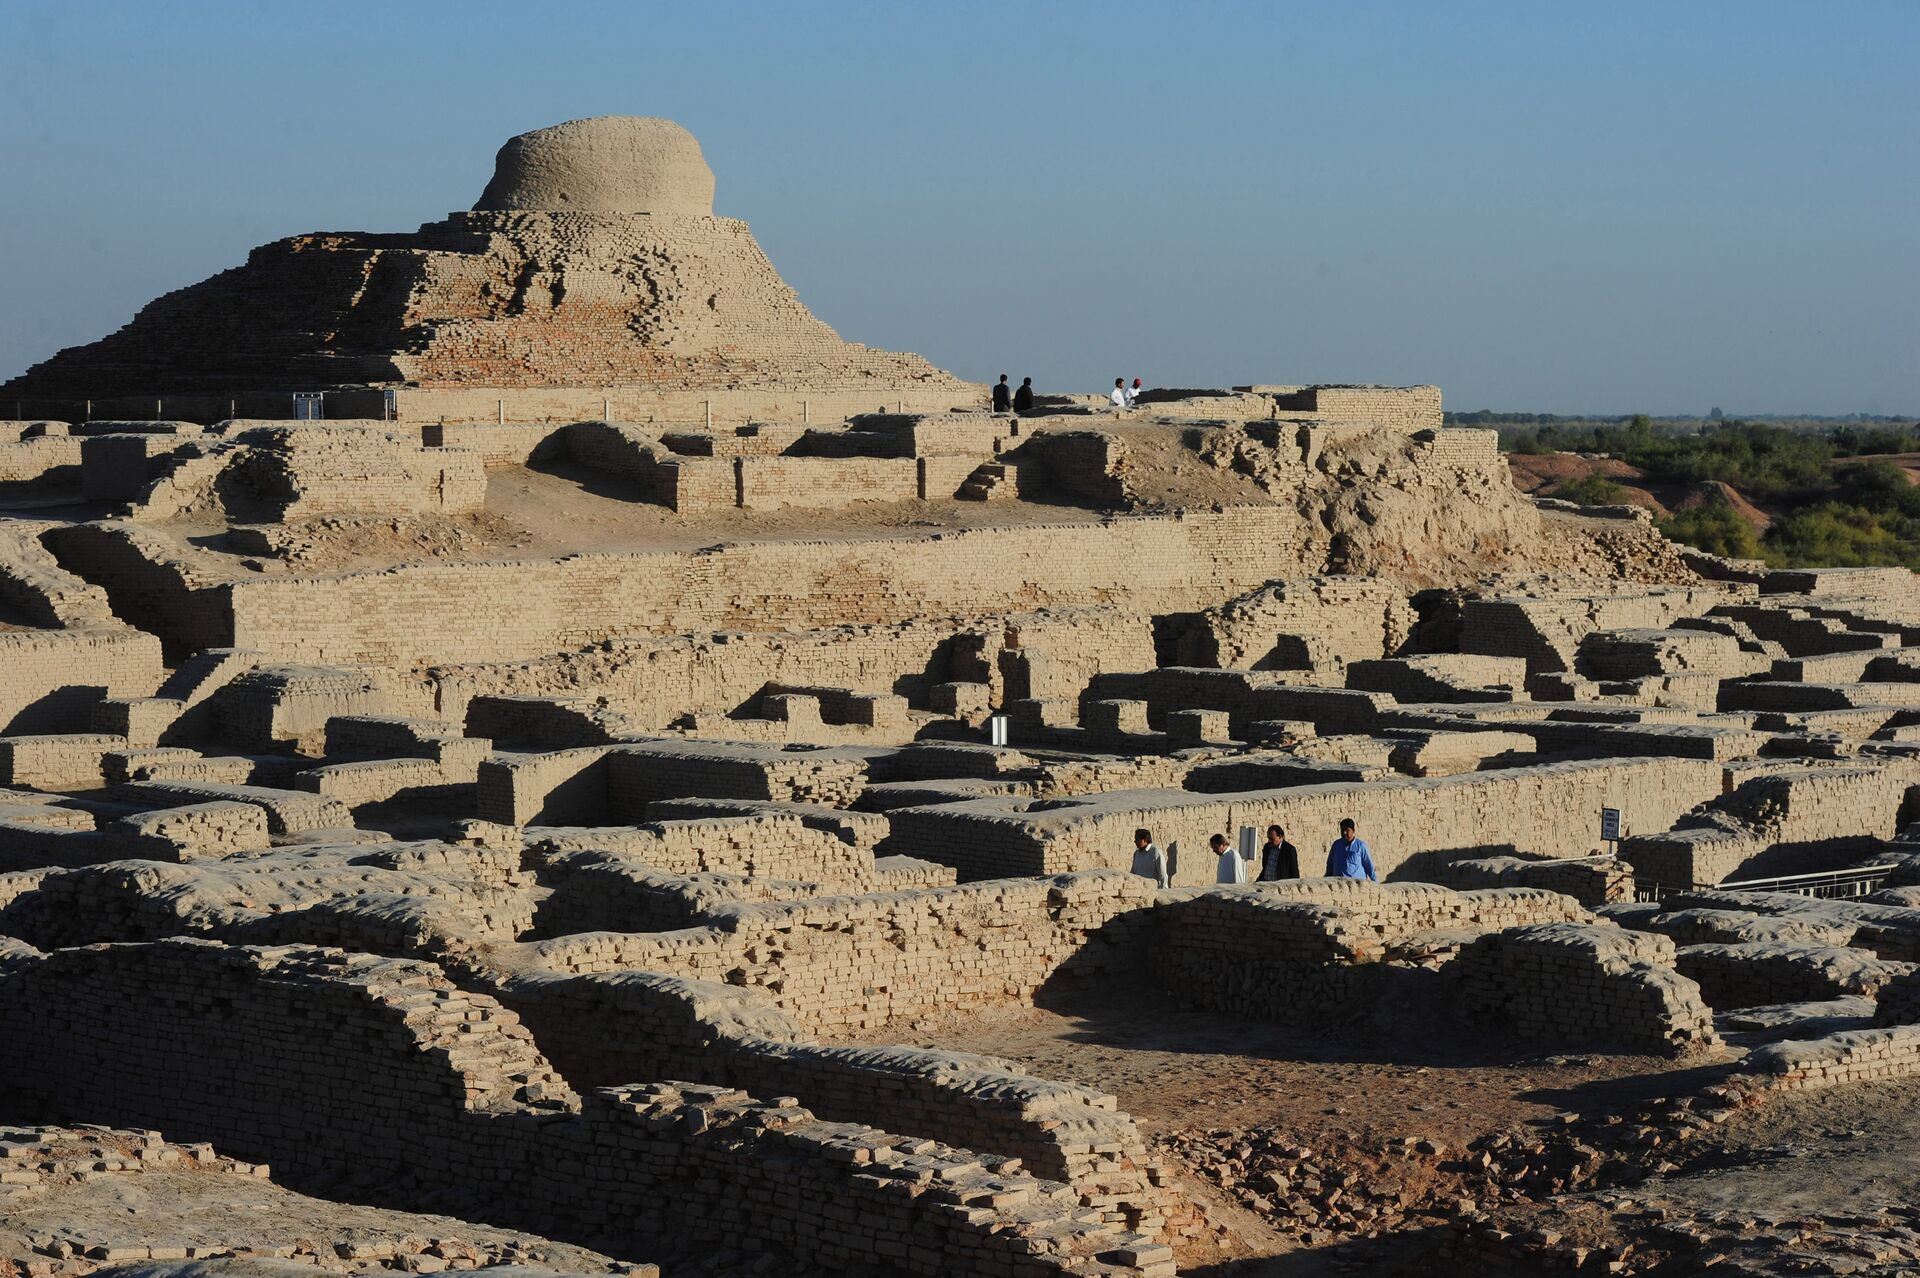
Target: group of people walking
1019,399
1348,858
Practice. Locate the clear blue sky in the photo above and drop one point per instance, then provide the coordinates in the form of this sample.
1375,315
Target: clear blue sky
1575,208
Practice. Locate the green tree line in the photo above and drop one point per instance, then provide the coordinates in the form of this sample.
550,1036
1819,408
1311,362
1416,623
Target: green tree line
1829,511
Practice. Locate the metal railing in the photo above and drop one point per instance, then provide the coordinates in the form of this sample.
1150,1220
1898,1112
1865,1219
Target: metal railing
1854,881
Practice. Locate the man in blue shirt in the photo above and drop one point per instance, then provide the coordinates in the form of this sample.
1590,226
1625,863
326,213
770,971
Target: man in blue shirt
1349,857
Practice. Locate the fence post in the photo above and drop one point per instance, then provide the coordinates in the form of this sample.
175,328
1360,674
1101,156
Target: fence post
158,411
709,414
502,405
606,410
805,410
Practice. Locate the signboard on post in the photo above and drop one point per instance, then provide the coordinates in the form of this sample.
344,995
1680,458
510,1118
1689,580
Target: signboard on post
997,730
1610,825
309,406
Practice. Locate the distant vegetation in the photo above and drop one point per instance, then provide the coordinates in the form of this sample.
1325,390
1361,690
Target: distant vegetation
1827,511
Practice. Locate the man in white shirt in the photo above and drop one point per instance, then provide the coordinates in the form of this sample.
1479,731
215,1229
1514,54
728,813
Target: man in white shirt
1229,865
1119,396
1133,393
1149,862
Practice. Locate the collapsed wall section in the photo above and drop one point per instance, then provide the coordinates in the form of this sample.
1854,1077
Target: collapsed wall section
376,1073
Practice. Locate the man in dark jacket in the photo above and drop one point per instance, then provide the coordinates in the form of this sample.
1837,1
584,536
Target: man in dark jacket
1023,398
1002,395
1279,859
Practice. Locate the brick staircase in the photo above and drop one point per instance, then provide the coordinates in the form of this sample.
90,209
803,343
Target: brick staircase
990,481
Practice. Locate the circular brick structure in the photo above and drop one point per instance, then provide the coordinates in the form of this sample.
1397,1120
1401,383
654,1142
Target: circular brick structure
608,164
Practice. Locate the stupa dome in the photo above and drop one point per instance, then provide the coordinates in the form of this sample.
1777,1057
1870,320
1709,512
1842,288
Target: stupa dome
608,164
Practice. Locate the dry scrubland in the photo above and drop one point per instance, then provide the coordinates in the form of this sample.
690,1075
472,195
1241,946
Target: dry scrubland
548,821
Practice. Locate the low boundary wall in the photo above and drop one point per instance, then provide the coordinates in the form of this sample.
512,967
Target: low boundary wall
1410,824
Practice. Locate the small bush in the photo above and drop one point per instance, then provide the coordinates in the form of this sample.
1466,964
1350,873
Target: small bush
1716,528
1591,490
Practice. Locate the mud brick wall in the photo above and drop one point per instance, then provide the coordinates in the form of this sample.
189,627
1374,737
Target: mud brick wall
1632,654
187,610
369,781
288,811
1055,653
1311,949
521,722
1453,446
830,483
654,682
602,892
761,846
51,679
1090,464
561,787
74,761
1441,677
1548,631
1549,811
1245,696
1788,822
1574,984
390,736
195,832
484,404
603,1028
121,467
36,591
44,459
1757,973
1898,1001
512,611
1301,622
844,963
265,708
133,1035
639,775
1853,1056
327,1065
1408,407
513,444
307,471
1592,881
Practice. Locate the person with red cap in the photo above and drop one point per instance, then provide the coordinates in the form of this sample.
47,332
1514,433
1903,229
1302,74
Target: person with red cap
1133,393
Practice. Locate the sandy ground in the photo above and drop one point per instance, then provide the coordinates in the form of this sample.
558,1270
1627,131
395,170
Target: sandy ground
1839,1152
1173,1068
198,1209
1178,1070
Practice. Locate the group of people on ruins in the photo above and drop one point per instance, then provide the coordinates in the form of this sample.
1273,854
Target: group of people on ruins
1007,397
1349,857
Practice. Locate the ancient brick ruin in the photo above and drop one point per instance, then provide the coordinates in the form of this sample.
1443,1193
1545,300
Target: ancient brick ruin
548,823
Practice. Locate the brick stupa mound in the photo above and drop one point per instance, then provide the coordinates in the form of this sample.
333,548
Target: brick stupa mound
610,164
592,259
